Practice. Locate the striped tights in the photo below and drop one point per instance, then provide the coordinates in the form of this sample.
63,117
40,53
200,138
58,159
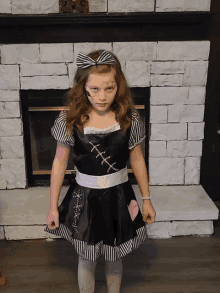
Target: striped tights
86,275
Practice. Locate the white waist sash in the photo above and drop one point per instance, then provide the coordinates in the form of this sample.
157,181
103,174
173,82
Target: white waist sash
104,181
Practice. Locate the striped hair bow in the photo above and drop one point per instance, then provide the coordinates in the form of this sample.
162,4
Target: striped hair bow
84,61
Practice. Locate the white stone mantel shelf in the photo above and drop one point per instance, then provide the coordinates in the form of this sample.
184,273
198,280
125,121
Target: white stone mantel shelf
172,203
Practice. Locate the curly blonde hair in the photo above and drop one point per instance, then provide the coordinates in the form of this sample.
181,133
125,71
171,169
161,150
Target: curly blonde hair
77,102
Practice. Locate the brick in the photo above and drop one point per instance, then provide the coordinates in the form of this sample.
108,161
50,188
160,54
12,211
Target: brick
135,51
10,127
24,232
180,228
138,73
168,95
196,73
130,6
167,80
157,148
182,5
62,52
183,50
2,234
192,170
168,67
20,53
5,6
158,114
9,109
9,96
166,171
35,7
43,69
185,113
45,82
13,171
169,131
12,147
159,230
196,131
9,77
184,148
196,95
97,5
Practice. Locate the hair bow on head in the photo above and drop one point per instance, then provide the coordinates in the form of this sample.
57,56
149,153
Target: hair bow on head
84,61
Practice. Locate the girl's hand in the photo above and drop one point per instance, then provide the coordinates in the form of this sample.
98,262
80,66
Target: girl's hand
148,212
53,219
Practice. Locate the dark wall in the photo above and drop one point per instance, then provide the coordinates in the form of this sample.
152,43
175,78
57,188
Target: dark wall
210,163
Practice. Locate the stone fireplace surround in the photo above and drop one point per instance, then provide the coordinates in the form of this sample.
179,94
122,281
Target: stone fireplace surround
176,73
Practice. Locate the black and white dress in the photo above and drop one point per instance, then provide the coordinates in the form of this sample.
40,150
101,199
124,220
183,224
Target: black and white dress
99,214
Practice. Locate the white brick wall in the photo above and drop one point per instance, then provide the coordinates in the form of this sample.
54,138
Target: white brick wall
138,73
168,131
186,50
185,113
110,6
130,5
21,53
9,77
182,5
168,95
6,96
166,171
98,5
35,7
5,6
43,69
176,73
135,51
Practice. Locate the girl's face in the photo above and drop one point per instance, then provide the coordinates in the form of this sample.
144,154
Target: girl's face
101,89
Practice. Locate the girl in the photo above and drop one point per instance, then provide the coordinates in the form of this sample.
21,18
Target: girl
99,214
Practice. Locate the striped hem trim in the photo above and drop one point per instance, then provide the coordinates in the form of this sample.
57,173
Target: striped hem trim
92,252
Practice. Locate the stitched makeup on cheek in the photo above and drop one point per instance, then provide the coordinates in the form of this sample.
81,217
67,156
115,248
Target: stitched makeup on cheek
90,97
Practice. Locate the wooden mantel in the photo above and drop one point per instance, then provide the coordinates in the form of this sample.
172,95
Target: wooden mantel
105,27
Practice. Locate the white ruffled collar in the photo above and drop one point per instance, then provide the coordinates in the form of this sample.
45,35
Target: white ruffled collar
93,130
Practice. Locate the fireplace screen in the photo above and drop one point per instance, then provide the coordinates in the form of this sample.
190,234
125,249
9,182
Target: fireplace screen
39,110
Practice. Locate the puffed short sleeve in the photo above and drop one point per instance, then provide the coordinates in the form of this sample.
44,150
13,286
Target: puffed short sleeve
137,134
59,130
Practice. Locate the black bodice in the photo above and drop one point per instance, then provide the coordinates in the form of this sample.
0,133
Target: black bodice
101,153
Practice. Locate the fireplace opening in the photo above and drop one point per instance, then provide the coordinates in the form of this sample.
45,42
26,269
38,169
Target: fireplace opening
39,110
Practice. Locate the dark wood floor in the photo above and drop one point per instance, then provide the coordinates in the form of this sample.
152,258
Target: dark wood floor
180,264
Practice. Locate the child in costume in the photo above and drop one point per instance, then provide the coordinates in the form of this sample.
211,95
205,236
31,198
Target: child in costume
99,214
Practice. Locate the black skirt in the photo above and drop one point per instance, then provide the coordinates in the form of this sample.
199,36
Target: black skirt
101,221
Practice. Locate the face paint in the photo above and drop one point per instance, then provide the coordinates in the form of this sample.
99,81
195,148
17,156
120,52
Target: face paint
101,90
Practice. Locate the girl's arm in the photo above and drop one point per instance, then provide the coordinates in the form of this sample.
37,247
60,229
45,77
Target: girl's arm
140,171
57,175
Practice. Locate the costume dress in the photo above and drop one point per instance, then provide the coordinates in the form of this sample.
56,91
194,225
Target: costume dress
99,214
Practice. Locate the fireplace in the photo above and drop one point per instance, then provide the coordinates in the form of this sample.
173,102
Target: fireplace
172,67
39,110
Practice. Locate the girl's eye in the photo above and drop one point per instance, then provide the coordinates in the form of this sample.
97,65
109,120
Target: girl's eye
110,88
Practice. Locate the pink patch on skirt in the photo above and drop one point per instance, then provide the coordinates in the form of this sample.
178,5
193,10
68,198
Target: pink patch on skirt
133,209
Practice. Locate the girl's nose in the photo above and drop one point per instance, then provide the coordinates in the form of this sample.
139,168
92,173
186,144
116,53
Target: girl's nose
102,95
